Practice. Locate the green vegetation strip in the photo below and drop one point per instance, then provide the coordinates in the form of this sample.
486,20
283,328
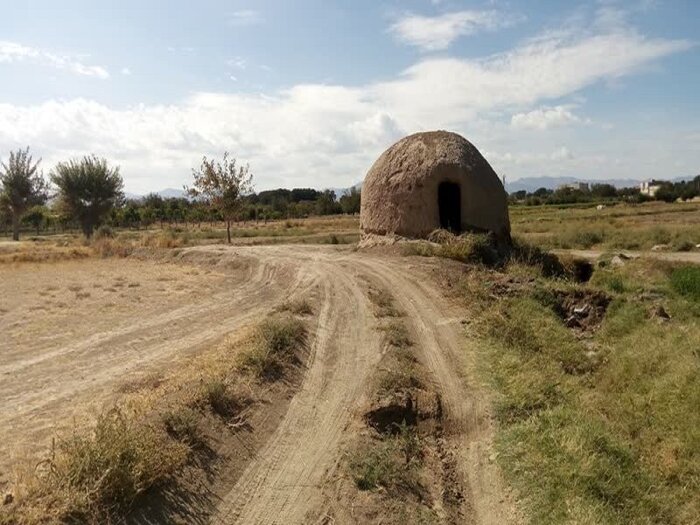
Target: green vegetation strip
597,424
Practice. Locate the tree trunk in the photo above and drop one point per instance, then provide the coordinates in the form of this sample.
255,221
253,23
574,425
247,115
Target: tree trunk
15,227
228,231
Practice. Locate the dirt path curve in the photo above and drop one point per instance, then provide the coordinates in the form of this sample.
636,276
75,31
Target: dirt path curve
81,358
48,381
284,484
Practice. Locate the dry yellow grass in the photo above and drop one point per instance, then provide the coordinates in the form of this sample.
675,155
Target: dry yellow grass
95,475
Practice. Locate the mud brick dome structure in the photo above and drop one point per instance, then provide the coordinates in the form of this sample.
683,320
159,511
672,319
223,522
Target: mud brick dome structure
433,180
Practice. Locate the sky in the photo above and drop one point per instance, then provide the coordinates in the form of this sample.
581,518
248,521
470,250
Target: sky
310,92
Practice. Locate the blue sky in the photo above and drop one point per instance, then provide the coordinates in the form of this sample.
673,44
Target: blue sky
310,92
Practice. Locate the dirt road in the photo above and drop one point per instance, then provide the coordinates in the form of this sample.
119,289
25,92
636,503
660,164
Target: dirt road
69,363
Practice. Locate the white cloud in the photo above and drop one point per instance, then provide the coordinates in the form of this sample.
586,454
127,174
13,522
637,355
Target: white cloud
438,32
562,153
14,52
237,63
546,117
126,71
328,135
244,17
11,52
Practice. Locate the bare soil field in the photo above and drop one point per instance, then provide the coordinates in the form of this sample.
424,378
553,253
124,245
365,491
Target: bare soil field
74,331
79,331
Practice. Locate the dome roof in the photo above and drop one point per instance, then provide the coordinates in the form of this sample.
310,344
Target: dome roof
426,177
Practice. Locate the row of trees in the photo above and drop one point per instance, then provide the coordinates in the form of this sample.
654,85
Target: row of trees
87,192
668,192
87,189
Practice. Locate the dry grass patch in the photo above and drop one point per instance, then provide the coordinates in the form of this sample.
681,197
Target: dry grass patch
277,342
622,226
100,474
92,476
383,301
297,307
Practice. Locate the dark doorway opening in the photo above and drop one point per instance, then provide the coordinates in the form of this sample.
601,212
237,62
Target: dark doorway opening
449,204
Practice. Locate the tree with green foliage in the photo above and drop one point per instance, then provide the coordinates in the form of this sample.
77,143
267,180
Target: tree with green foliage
326,203
88,190
350,202
36,216
222,186
22,186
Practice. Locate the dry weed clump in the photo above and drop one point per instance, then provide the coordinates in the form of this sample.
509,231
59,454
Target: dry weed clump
475,248
383,301
277,342
297,307
90,477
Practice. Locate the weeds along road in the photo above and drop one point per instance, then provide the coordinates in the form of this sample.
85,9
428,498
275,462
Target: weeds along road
45,378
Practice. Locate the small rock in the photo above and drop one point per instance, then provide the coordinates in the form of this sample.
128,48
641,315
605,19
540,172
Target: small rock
9,498
582,310
617,261
659,248
600,207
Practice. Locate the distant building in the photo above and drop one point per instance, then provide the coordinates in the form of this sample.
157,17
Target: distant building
649,187
576,186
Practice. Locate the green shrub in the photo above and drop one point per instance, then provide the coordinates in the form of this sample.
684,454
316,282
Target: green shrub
586,238
686,282
392,462
683,246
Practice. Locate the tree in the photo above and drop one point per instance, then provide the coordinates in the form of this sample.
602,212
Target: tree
21,187
88,190
350,202
222,186
36,216
326,203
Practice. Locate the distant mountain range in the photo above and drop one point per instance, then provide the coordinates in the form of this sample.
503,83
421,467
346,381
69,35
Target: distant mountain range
167,193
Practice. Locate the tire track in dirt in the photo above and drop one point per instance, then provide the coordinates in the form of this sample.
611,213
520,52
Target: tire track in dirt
450,358
285,482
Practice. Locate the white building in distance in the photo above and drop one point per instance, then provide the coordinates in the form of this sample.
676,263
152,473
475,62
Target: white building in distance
649,187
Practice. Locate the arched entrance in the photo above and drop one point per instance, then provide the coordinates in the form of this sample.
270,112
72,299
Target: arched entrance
449,204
